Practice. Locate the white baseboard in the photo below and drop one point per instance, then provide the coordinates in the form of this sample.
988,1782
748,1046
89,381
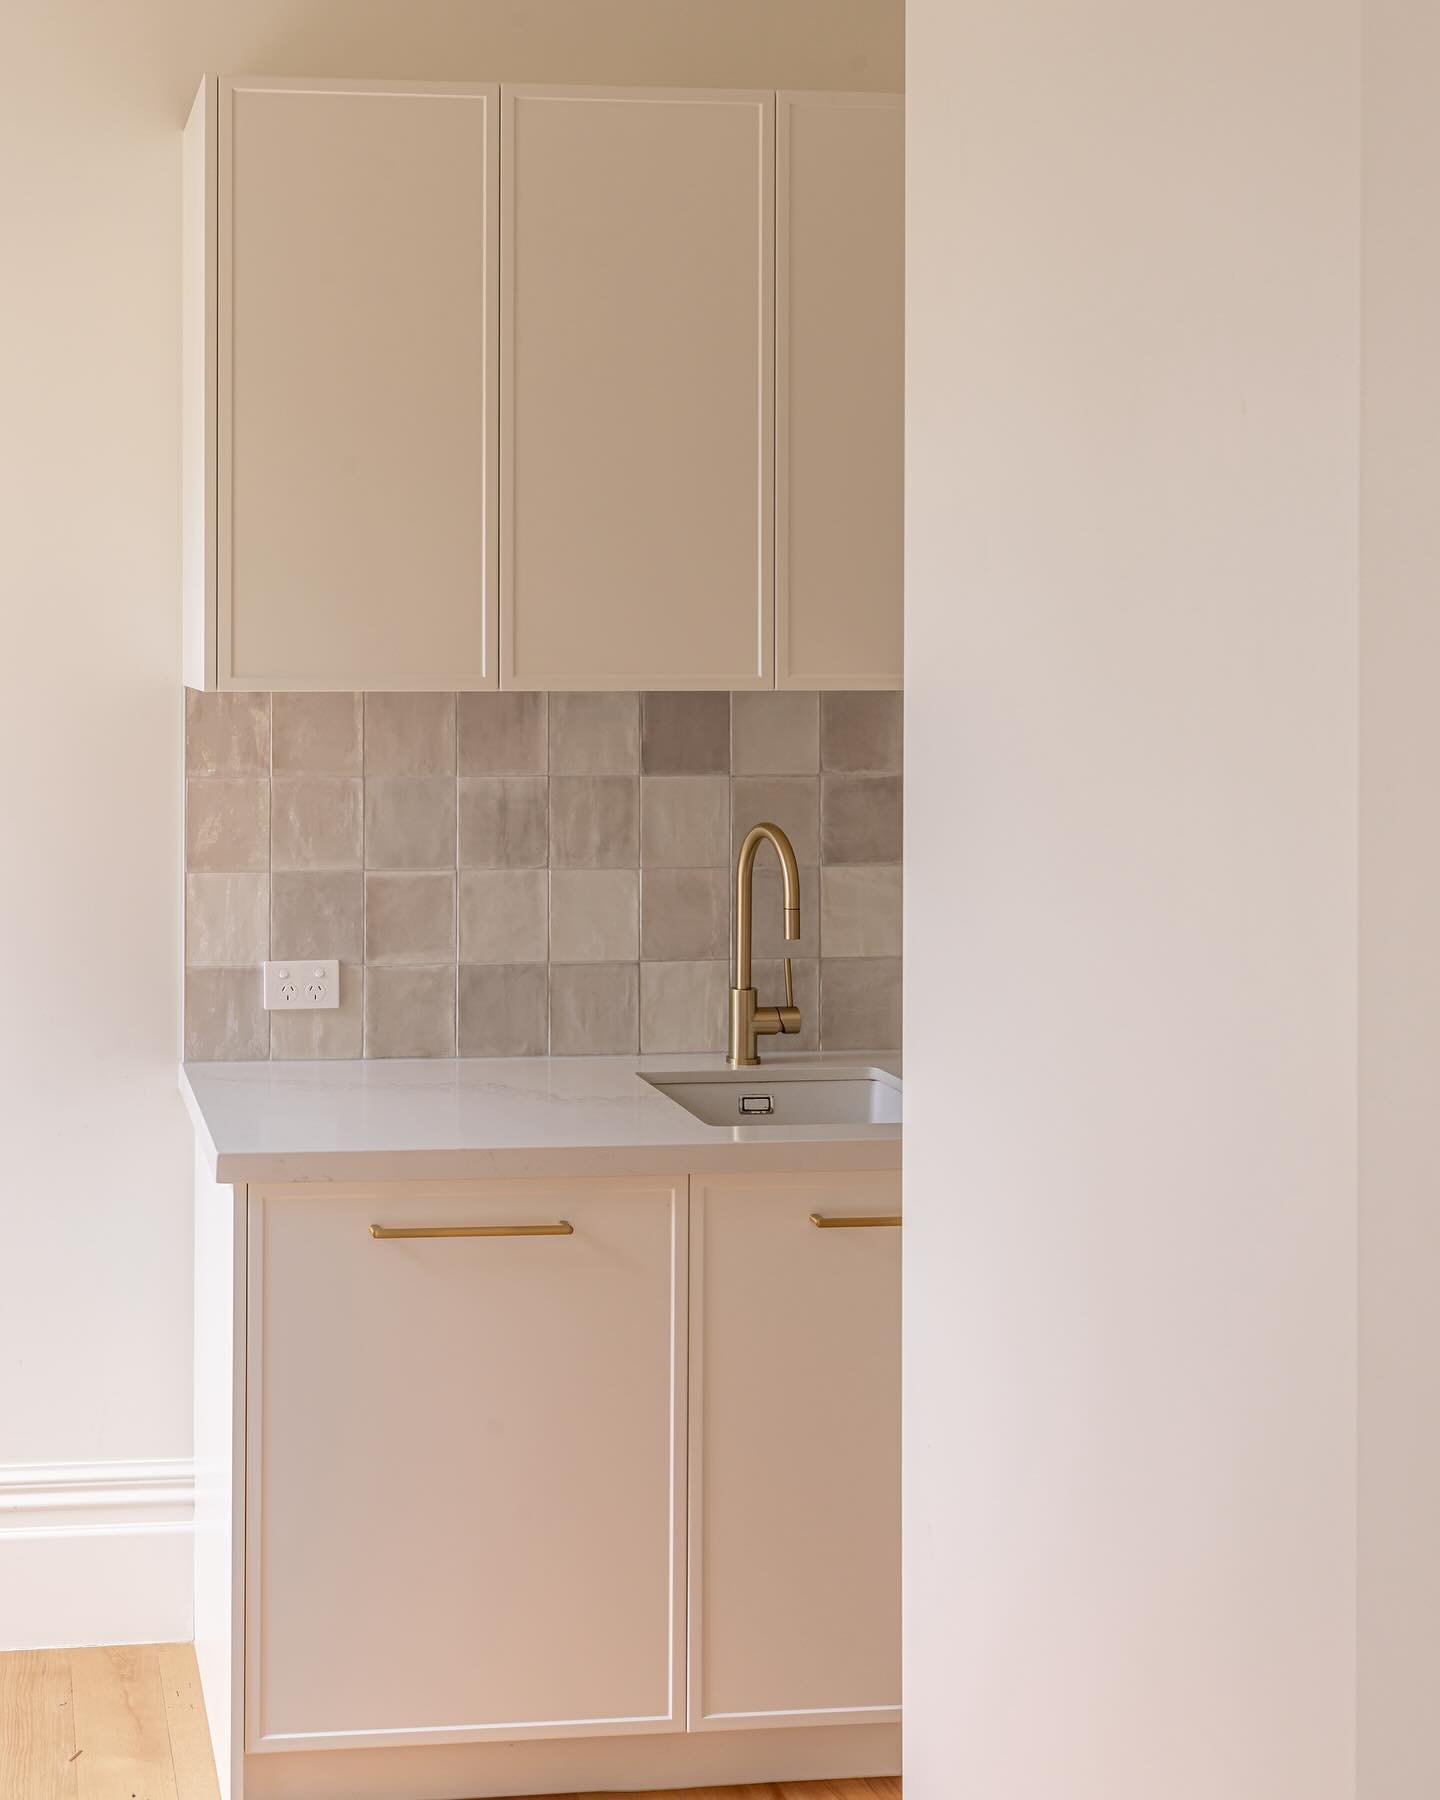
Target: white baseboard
95,1553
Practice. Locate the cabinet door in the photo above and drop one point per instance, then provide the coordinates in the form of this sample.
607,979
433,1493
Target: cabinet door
840,375
794,1452
636,453
358,405
465,1464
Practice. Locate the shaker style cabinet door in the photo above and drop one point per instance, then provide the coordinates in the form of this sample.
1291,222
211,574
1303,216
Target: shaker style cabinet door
465,1463
794,1451
839,385
637,413
357,400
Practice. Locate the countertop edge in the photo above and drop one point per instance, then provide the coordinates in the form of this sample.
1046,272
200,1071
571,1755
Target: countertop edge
778,1157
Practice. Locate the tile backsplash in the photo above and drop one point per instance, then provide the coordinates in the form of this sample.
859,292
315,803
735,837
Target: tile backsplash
510,874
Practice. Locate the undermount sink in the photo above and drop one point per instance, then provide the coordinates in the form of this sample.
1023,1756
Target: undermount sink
778,1096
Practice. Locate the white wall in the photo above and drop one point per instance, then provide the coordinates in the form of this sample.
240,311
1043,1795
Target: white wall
94,1259
1131,873
1400,912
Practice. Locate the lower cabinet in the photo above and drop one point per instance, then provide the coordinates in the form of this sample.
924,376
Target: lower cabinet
465,1464
794,1450
610,1459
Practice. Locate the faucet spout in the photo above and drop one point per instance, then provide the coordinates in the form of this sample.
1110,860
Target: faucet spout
749,1021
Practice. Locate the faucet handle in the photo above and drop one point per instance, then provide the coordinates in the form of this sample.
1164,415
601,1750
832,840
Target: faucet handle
789,985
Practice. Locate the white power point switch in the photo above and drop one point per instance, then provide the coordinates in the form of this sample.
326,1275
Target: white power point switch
301,986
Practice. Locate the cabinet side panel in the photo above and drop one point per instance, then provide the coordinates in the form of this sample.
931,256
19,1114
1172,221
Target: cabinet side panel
840,379
197,386
219,1454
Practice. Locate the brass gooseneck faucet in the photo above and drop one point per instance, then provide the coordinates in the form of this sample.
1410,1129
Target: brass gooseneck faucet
748,1021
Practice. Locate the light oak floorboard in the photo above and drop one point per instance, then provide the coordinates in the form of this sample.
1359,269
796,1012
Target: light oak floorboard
129,1724
190,1751
37,1726
120,1730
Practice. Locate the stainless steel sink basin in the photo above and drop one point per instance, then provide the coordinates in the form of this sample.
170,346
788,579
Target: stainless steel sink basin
784,1096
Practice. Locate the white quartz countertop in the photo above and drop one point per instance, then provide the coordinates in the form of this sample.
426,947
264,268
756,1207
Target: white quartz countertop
517,1116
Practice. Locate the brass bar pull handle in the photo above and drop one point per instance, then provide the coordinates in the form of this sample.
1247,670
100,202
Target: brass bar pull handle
561,1228
852,1221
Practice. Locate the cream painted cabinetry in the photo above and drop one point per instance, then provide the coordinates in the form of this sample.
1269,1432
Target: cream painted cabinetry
540,387
794,1451
529,1508
636,369
465,1464
344,301
839,390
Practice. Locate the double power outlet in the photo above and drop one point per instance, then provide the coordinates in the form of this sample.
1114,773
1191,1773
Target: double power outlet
301,986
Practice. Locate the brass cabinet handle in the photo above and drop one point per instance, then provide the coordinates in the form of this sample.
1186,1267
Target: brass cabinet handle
561,1228
852,1222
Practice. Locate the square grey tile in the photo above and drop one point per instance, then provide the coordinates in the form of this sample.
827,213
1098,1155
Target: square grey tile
685,915
862,733
316,734
862,818
685,734
790,801
225,1016
227,921
768,916
503,734
409,822
684,821
227,734
410,1012
594,822
684,1006
504,1009
594,734
769,974
860,910
775,734
227,825
409,734
332,1036
594,1009
318,913
317,822
860,1003
504,916
594,915
409,918
504,821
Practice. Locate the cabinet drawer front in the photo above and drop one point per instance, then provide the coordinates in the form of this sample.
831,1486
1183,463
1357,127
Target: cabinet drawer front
465,1461
794,1451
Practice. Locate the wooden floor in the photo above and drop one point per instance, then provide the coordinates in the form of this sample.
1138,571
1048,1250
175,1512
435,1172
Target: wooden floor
130,1725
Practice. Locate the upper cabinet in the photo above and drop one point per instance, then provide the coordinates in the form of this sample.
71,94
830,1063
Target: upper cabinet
839,390
355,393
636,359
549,388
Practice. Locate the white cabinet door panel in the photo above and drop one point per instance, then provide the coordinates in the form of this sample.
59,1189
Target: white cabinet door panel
358,396
466,1464
794,1452
839,390
637,413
